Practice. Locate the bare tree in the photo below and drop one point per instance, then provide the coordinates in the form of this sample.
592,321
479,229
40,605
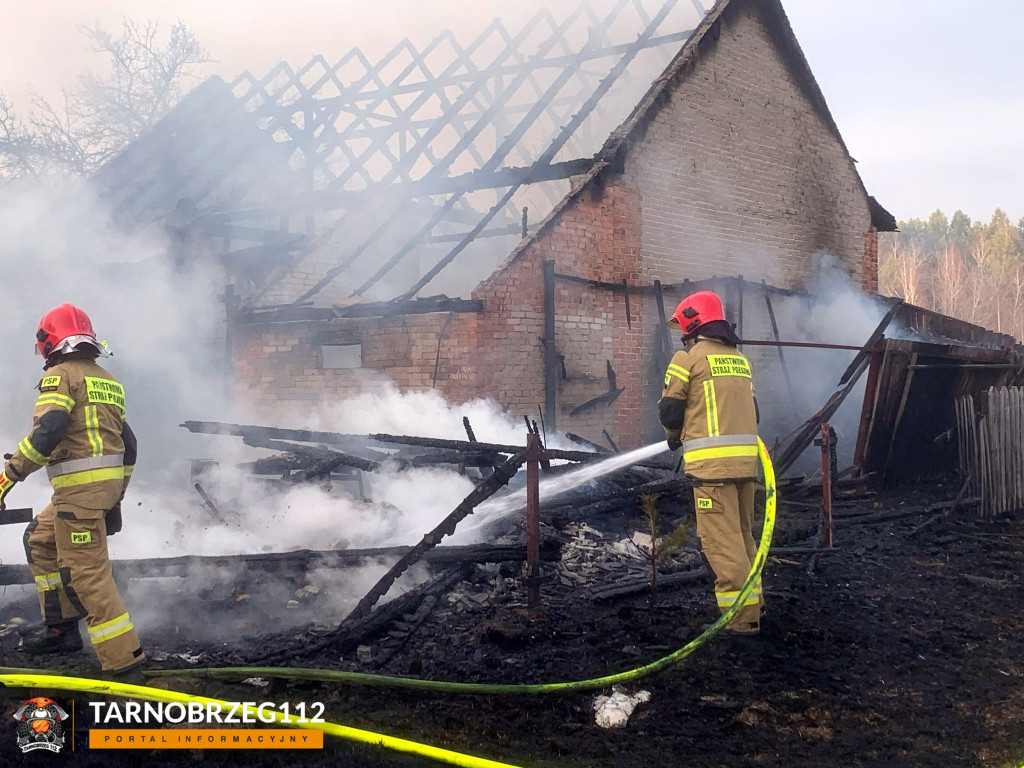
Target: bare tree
99,116
1017,300
906,270
949,284
986,279
17,147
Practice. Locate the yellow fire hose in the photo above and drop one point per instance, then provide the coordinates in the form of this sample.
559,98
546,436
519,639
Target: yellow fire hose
30,678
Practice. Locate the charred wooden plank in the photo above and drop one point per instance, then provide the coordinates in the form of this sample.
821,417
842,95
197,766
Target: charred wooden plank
871,343
325,459
463,445
257,431
359,631
298,561
432,538
634,586
418,606
582,499
608,397
615,448
212,505
453,457
276,465
586,443
15,516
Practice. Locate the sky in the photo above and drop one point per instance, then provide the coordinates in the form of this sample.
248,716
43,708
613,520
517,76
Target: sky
927,96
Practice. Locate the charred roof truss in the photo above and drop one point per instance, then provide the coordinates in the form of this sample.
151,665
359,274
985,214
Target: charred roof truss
443,135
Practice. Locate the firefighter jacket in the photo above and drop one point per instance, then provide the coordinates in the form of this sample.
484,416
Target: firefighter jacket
708,404
79,434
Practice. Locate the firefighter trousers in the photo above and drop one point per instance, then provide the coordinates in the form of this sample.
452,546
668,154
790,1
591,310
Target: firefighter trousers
67,554
725,512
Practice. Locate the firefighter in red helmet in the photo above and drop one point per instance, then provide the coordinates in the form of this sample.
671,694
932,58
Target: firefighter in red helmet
80,435
708,409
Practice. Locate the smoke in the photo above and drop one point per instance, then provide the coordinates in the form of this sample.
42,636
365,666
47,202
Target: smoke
59,246
166,330
835,312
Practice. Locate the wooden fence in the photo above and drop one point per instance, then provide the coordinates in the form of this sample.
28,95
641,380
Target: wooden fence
991,448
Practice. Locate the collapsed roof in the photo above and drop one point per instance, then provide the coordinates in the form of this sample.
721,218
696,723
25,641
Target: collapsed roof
384,173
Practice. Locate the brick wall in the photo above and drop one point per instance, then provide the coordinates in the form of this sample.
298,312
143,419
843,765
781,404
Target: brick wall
869,275
282,363
738,174
597,237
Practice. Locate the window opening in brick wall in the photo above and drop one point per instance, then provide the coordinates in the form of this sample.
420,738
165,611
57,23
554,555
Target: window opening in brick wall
341,356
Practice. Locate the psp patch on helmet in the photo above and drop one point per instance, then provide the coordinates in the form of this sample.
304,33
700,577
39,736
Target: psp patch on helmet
49,383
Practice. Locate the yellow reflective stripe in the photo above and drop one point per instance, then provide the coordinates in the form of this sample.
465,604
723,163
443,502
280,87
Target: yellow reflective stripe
726,452
717,440
128,470
48,581
26,447
714,408
707,404
92,429
678,371
72,466
88,476
726,599
711,406
55,398
108,630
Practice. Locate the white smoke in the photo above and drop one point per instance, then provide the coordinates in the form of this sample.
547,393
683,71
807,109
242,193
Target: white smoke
835,312
167,333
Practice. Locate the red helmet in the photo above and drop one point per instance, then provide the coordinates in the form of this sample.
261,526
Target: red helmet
694,311
64,328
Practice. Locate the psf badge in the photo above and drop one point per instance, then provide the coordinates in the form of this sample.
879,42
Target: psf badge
40,725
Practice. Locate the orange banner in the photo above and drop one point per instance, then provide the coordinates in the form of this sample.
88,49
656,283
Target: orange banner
208,738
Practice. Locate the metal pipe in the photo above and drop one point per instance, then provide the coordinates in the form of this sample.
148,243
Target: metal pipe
807,345
825,441
534,455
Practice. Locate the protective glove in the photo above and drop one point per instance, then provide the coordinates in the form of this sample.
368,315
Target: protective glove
6,484
112,519
674,443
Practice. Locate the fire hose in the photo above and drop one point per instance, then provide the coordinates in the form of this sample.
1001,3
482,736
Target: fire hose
32,678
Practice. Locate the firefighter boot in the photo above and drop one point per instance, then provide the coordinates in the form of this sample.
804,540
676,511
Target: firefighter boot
55,638
132,674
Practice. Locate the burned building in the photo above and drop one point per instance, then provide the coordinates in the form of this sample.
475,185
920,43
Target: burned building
513,216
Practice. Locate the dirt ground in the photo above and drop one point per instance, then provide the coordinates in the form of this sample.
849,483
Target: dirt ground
904,647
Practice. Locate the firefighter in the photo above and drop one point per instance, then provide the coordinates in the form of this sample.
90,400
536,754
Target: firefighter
708,409
80,435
